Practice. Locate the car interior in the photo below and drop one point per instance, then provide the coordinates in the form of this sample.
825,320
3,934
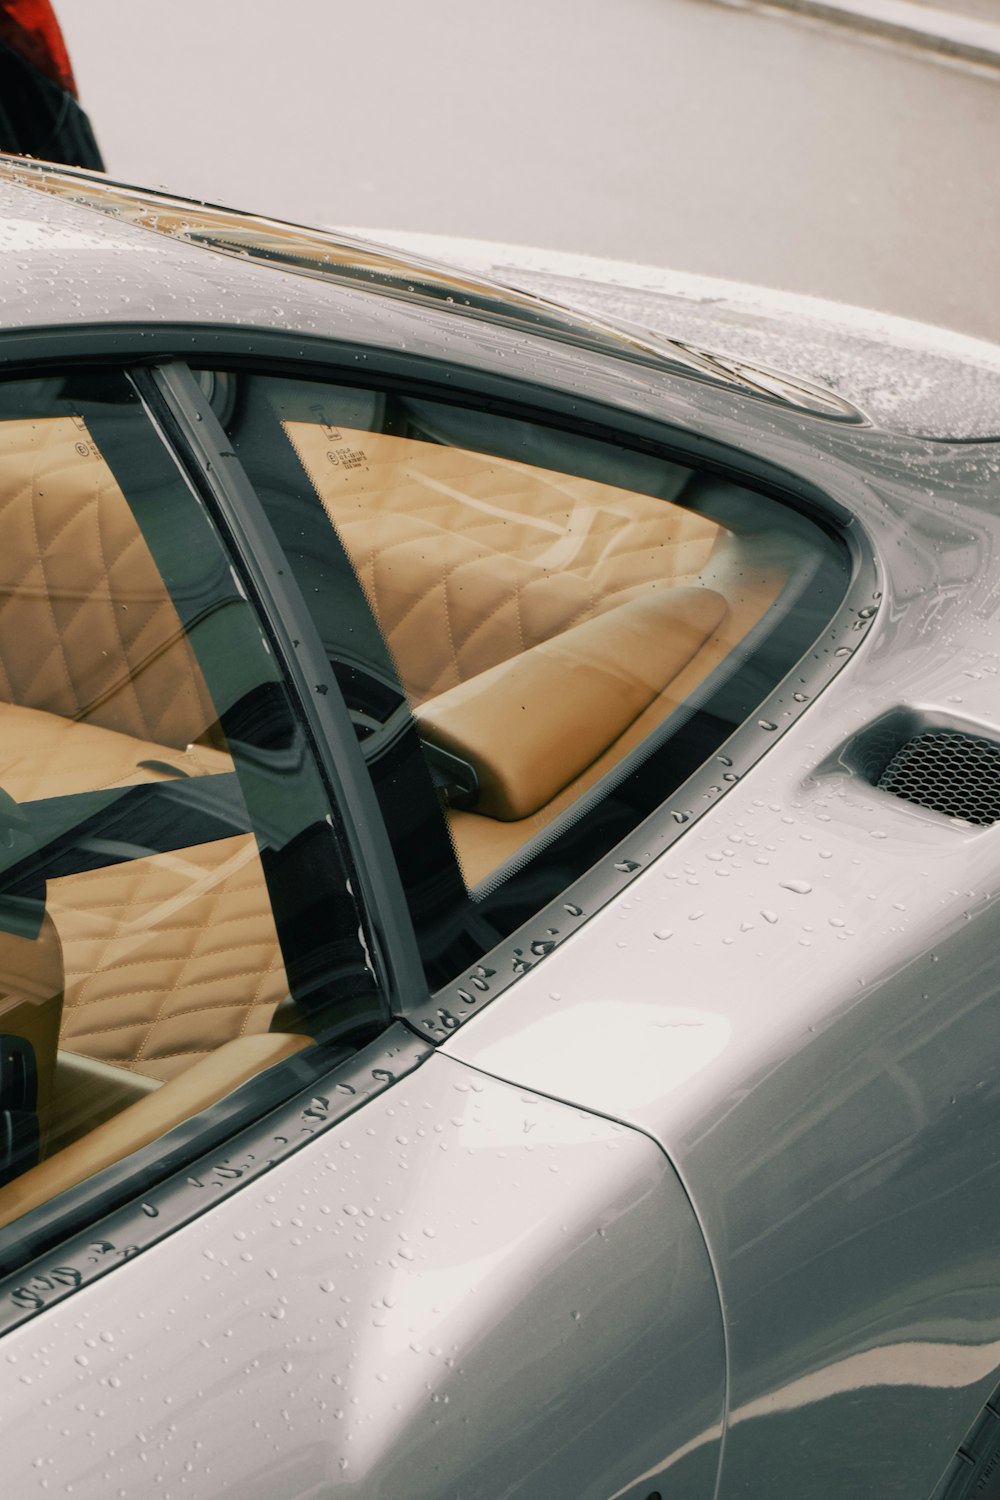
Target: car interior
550,608
542,624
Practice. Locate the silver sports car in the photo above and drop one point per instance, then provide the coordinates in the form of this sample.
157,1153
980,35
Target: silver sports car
498,881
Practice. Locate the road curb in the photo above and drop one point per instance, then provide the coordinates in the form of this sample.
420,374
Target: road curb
923,26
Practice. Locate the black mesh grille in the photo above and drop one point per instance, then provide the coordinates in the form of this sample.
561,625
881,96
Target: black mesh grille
952,773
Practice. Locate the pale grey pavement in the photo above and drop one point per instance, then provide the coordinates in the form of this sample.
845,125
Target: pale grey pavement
752,144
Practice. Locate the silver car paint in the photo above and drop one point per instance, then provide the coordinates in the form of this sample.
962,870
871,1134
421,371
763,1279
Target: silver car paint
800,1001
906,375
64,266
78,267
858,1269
365,1318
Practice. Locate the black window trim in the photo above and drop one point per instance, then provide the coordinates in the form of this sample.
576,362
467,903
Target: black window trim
85,1232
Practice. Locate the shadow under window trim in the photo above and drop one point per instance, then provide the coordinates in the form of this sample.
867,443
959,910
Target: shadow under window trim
194,1165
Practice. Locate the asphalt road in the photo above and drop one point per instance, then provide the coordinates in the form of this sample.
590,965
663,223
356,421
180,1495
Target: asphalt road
706,137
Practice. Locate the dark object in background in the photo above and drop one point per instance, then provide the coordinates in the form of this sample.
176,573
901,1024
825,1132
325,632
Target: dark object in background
40,114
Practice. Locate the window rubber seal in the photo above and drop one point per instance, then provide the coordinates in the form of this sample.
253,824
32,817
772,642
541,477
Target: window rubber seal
65,1245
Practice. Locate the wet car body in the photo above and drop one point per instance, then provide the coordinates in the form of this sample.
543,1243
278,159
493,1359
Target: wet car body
688,1188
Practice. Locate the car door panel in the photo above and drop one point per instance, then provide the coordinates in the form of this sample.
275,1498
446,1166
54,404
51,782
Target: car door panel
463,1289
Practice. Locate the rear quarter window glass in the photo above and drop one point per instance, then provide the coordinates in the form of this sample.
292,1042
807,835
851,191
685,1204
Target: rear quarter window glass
559,628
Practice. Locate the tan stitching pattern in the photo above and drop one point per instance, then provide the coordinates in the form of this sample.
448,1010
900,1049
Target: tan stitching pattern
166,957
455,551
149,931
98,638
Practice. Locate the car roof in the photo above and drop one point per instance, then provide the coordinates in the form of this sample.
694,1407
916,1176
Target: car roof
70,204
65,264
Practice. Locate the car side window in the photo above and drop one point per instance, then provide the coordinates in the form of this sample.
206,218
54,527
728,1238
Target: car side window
563,627
165,839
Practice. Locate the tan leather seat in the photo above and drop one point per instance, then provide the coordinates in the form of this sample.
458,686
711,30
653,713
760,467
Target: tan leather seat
45,755
531,725
470,562
87,628
170,956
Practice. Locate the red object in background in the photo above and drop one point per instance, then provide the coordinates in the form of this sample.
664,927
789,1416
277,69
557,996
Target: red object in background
31,29
40,113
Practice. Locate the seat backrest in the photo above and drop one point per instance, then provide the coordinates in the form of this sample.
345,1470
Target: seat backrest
468,560
87,627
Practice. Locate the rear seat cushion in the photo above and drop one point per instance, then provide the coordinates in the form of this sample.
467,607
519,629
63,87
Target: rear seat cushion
168,957
750,577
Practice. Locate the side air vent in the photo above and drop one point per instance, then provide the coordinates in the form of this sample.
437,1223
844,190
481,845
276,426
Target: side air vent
953,773
930,760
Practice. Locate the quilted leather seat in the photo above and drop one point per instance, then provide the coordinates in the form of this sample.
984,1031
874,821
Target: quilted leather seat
97,638
166,957
471,562
467,561
44,755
